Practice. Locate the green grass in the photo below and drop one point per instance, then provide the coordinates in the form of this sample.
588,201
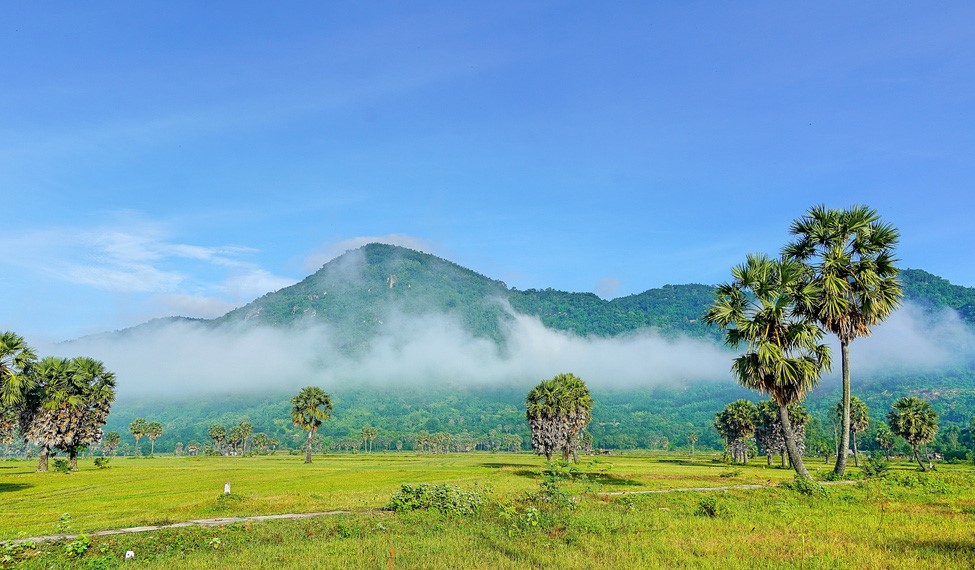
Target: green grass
906,518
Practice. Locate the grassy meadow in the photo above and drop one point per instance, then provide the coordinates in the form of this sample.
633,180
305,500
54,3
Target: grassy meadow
525,519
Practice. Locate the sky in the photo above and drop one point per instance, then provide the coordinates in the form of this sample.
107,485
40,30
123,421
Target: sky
185,158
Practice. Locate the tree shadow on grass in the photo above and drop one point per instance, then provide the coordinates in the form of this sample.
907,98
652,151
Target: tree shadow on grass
593,477
4,487
939,546
503,465
695,463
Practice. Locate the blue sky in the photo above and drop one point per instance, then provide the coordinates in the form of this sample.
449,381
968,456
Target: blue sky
185,158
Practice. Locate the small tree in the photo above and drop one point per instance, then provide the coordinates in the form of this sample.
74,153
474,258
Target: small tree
111,442
692,438
914,420
153,431
310,408
885,439
138,429
558,411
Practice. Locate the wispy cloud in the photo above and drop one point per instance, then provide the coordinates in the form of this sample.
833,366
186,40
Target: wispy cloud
136,256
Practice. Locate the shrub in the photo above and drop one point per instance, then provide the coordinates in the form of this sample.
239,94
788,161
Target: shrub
102,462
447,499
61,466
708,507
78,546
875,467
805,486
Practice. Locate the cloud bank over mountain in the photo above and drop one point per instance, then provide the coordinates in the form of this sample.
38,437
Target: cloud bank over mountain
186,357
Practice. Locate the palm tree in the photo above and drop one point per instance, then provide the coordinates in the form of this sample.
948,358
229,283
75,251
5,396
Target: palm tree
246,431
70,404
138,429
764,308
852,256
16,360
558,411
859,421
692,438
310,408
736,423
217,433
768,432
153,431
111,442
885,439
914,420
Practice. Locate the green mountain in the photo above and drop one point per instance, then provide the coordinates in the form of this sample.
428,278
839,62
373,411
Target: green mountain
355,293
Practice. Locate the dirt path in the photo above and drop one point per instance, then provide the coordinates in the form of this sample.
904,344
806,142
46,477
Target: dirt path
222,521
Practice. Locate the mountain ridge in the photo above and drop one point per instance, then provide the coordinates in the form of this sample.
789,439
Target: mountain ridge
357,290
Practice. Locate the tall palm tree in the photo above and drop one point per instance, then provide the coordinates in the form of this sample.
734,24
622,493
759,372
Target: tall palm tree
310,408
914,420
763,307
852,255
885,439
558,411
16,360
39,421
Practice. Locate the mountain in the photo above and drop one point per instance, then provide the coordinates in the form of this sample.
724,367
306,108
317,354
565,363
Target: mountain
355,292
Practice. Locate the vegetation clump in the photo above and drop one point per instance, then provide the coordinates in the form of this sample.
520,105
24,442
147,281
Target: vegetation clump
445,498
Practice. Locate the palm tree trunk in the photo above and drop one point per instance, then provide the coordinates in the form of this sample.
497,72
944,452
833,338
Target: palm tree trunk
42,460
840,468
768,458
917,458
790,443
152,447
856,459
137,452
73,459
308,448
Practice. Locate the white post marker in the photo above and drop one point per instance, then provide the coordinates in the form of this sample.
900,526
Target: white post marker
226,488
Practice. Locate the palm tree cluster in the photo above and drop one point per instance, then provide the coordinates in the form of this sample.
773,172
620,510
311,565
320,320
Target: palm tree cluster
736,423
851,254
914,420
769,434
838,274
558,411
57,404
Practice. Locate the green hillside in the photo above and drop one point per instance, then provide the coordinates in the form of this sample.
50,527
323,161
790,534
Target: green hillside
358,290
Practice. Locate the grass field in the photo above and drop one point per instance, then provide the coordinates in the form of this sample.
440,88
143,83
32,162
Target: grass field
904,518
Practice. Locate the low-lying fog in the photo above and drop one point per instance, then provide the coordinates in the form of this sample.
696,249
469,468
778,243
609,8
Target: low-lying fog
182,358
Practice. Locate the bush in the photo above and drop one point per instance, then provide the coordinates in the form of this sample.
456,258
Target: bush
875,467
447,499
805,486
102,462
78,546
61,466
708,507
